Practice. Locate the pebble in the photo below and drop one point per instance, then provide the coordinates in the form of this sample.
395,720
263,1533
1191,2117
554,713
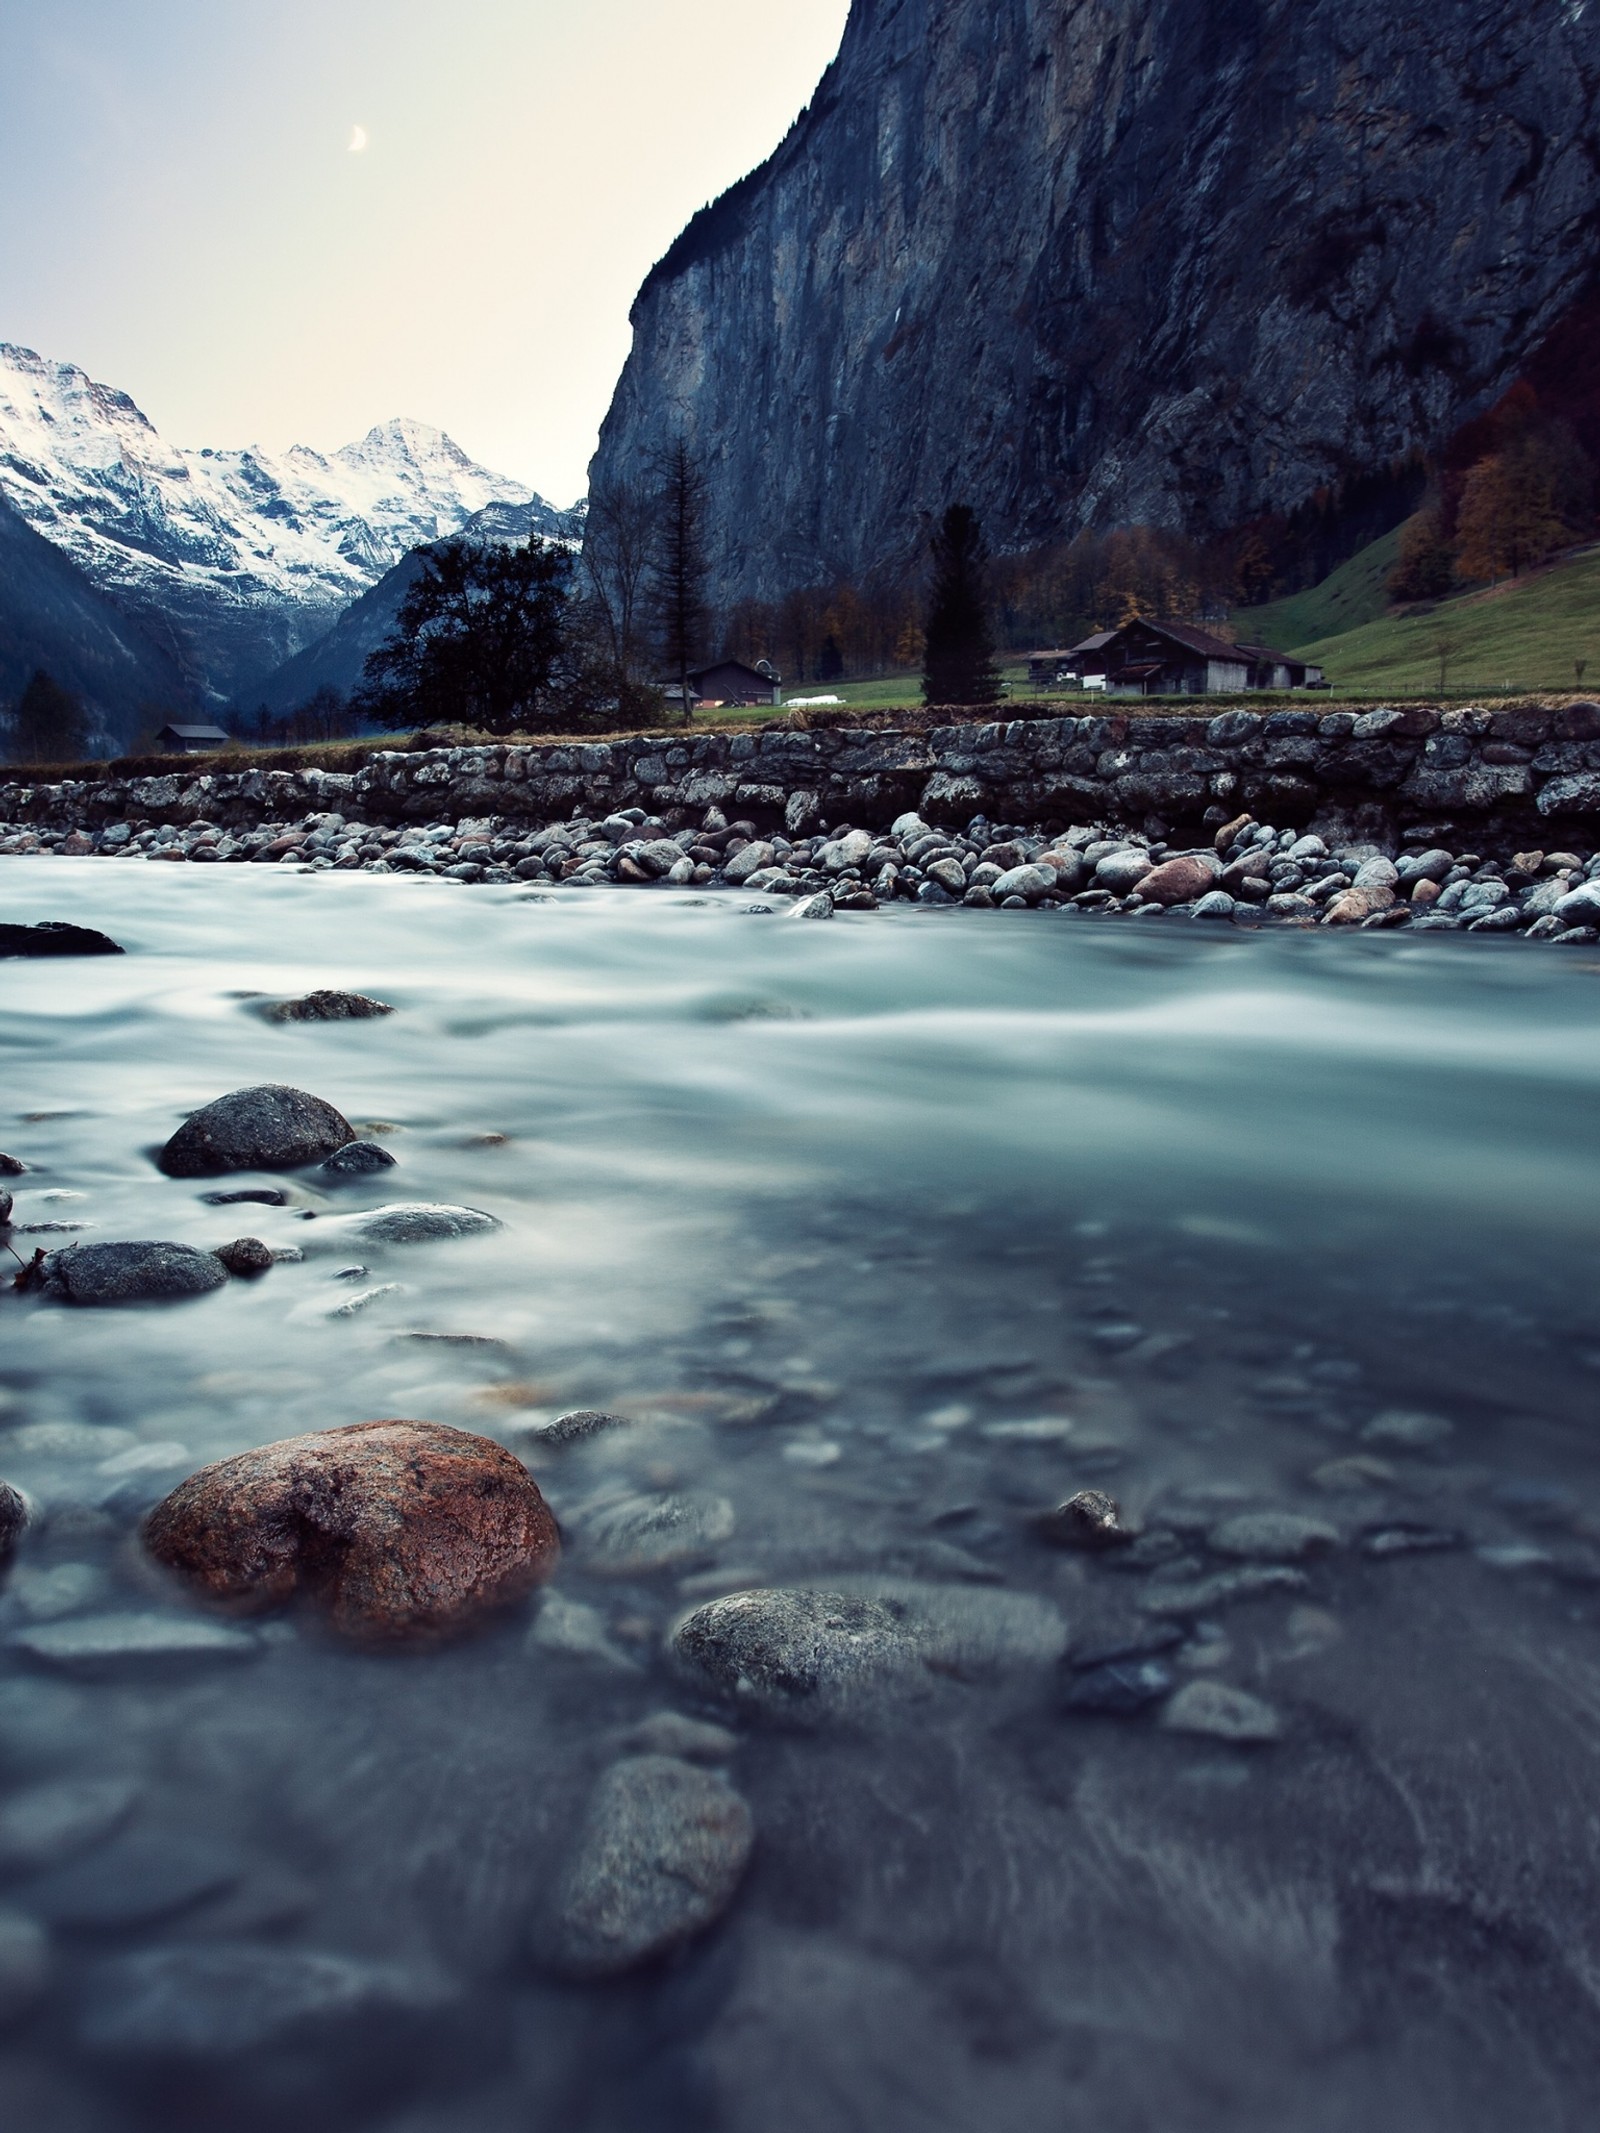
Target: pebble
1407,1429
131,1643
49,1824
418,1223
364,1299
578,1631
328,1007
246,1256
141,1272
573,1428
1198,1596
135,1879
1272,1536
1408,1539
25,1964
1118,1688
637,1535
1224,1713
217,2000
13,1519
664,1848
45,1595
696,1740
1346,1476
398,1531
269,1127
357,1159
1089,1520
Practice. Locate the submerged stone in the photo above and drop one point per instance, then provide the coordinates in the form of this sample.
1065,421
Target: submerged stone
398,1530
1089,1520
358,1159
55,937
641,1534
419,1222
328,1007
1225,1713
793,1652
1272,1536
1118,1688
269,1127
130,1643
25,1963
664,1847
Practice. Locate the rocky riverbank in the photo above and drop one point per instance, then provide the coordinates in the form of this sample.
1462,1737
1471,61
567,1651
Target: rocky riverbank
1248,873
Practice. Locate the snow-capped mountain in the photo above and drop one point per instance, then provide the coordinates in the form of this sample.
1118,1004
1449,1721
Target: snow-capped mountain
248,555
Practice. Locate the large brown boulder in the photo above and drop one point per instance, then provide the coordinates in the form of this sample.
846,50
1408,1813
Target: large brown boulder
401,1531
270,1127
1180,880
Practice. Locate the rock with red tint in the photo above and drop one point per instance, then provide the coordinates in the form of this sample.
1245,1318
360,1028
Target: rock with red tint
1356,904
400,1531
1178,881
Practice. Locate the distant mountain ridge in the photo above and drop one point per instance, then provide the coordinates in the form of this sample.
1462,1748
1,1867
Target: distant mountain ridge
243,557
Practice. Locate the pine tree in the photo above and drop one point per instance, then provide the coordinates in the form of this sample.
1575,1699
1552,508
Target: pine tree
958,662
679,578
48,725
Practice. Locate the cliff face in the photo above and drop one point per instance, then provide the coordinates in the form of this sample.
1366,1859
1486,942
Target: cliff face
1116,261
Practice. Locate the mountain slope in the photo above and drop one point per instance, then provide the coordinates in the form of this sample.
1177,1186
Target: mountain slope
335,659
248,554
1103,262
52,617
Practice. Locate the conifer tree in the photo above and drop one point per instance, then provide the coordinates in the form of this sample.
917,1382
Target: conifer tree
48,725
958,662
679,577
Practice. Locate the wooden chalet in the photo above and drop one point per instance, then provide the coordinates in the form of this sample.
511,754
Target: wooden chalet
732,684
1178,659
192,740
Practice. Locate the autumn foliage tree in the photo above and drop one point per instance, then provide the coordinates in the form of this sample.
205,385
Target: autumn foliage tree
1523,502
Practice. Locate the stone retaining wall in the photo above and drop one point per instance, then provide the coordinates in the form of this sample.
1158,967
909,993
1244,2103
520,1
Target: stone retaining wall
1506,772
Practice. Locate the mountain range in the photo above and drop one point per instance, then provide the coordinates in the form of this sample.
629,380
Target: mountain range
1090,263
228,562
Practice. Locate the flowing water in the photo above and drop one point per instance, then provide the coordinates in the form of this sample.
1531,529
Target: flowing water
892,1233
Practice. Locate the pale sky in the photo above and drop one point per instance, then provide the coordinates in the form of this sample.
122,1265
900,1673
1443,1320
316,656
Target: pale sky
182,212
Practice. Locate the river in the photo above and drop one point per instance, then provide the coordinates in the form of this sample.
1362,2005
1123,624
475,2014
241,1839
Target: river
888,1235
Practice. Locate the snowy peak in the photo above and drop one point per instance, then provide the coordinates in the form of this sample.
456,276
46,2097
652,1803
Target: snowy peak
250,552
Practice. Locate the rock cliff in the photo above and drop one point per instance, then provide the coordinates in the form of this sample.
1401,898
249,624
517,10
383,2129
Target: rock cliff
1116,261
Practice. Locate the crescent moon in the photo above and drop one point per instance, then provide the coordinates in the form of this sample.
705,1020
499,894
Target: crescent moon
358,140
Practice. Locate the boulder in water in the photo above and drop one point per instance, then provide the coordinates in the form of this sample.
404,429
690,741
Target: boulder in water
357,1159
270,1127
55,937
144,1271
418,1222
13,1520
400,1531
328,1007
246,1256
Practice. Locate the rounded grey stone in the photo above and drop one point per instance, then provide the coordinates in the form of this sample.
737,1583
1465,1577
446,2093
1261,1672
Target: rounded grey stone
641,1534
139,1272
269,1127
358,1159
419,1222
1273,1536
794,1652
93,1644
216,2000
663,1851
47,1824
25,1963
1222,1712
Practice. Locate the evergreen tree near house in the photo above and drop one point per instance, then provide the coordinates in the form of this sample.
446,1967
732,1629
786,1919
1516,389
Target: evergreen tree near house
678,578
48,725
958,660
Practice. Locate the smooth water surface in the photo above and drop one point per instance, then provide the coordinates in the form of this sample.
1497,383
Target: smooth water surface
893,1232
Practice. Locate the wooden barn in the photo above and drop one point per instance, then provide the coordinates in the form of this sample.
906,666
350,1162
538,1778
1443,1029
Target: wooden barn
734,685
1178,659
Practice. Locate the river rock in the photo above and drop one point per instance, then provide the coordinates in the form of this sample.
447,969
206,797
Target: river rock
140,1272
576,1630
641,1534
13,1520
818,906
398,1530
696,1740
1027,881
1225,1713
573,1428
270,1127
131,1643
46,1825
357,1159
1118,1688
10,1167
135,1879
1408,1429
329,1007
1180,880
55,937
1088,1520
1198,1596
1122,870
25,1963
749,861
793,1652
219,2000
1357,904
419,1222
7,1204
245,1256
1272,1536
663,1851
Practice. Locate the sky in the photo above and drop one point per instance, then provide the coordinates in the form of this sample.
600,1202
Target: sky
282,224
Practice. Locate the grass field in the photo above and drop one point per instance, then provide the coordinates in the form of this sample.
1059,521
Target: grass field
1531,634
1352,596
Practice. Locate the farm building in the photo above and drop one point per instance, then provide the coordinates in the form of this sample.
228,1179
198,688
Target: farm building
1177,659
